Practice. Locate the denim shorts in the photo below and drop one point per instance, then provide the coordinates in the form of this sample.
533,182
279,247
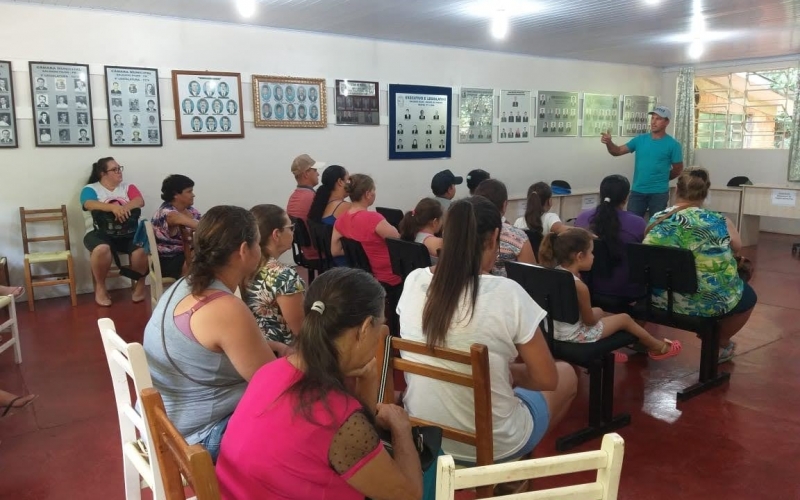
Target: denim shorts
214,438
541,421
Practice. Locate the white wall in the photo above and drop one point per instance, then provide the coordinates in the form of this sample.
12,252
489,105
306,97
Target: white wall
762,166
256,169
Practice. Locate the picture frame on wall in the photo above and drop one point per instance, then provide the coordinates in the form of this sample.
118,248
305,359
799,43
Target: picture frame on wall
420,121
62,104
475,118
8,111
134,106
514,116
357,103
289,102
208,104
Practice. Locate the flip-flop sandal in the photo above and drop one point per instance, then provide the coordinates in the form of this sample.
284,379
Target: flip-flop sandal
674,350
620,357
11,406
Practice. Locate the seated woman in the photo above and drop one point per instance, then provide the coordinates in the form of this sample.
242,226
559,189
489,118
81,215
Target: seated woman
299,432
714,241
275,294
366,227
113,206
177,192
329,200
202,343
422,224
459,303
616,228
514,243
538,216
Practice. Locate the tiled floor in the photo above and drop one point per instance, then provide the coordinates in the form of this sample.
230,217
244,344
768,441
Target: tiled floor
739,441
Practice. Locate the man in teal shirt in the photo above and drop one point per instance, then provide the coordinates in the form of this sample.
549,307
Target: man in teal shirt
658,160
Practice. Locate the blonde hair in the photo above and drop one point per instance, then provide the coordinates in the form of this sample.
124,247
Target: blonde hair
693,184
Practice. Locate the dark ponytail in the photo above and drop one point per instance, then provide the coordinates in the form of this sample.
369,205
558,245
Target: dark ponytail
469,225
560,249
98,169
423,214
348,297
220,234
538,196
330,177
604,223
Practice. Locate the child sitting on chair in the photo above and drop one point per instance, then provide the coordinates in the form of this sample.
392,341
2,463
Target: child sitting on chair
572,251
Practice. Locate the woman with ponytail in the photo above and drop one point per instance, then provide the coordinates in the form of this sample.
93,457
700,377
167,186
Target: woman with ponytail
538,216
329,200
202,342
459,303
615,228
421,225
306,426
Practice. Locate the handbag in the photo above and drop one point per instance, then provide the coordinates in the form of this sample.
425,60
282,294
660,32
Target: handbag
427,438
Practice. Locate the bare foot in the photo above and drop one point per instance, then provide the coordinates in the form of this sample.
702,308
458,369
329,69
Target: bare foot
10,401
139,291
101,298
16,291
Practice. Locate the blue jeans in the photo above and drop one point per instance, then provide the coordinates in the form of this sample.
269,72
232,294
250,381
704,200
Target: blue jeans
214,438
650,203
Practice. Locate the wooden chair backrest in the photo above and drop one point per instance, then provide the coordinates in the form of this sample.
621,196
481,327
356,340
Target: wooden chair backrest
607,461
43,215
478,380
175,456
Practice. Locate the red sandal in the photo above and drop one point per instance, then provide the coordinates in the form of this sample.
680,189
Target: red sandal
674,350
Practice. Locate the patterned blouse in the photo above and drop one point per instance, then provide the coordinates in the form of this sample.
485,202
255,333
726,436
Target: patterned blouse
272,280
511,241
169,238
705,233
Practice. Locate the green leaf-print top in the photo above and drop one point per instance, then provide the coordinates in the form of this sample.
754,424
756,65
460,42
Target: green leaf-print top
273,279
705,233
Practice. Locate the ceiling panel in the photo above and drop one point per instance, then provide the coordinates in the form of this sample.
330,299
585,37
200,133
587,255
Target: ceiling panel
623,31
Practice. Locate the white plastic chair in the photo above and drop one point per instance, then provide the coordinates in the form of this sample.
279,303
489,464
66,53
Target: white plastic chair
128,360
607,461
7,301
157,282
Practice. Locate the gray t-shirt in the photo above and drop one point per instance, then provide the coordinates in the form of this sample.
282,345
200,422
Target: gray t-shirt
193,408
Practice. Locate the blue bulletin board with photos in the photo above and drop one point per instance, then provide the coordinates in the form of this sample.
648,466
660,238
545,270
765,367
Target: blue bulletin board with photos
420,121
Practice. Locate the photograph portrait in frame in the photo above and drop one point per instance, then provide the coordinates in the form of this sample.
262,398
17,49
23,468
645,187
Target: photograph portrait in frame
194,96
417,116
136,94
289,102
61,97
357,102
8,113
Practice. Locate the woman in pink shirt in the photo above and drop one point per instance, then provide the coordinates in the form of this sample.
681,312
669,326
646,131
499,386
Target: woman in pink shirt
301,430
366,227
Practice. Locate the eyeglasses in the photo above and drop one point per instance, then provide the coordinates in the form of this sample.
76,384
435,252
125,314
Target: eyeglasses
290,226
117,170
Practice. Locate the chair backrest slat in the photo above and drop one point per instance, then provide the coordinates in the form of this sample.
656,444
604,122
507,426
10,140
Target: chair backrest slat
355,255
392,215
321,235
43,215
535,237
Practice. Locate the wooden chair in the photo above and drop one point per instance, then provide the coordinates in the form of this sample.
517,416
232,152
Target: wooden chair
176,456
407,256
158,283
477,379
7,302
554,290
127,361
392,215
33,281
303,240
607,461
673,270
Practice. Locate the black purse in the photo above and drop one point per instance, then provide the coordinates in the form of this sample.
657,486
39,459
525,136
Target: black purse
427,438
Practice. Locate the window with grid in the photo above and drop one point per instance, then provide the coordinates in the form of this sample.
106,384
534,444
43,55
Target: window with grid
750,110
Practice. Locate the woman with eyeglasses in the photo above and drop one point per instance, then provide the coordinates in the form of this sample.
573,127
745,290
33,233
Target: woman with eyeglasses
275,295
112,208
714,241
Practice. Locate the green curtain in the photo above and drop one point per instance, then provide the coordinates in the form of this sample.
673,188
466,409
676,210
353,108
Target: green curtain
794,145
684,114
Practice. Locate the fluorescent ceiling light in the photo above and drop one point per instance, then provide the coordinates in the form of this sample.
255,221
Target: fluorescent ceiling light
696,49
247,8
500,25
513,8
